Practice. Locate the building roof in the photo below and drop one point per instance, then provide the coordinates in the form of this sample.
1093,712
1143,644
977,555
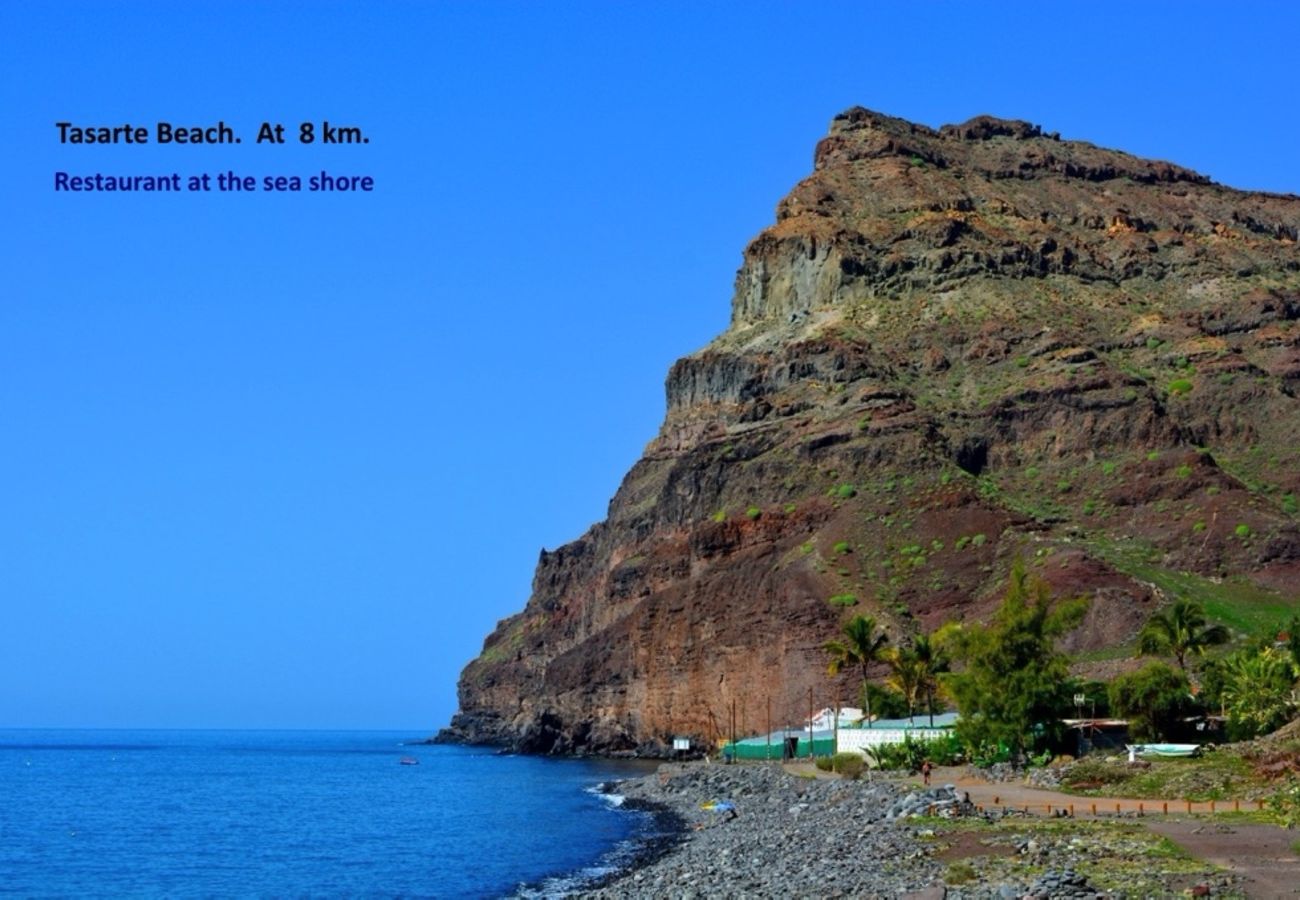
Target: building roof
919,722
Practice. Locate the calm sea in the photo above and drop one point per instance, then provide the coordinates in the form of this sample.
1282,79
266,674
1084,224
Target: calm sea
184,813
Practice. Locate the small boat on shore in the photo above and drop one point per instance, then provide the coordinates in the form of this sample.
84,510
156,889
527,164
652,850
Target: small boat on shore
1167,750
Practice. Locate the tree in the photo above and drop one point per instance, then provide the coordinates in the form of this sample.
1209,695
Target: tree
1153,699
1095,701
1014,680
885,703
1178,631
862,645
1258,691
904,676
932,663
915,671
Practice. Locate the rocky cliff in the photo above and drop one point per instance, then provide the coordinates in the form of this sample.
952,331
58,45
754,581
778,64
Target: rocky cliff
952,348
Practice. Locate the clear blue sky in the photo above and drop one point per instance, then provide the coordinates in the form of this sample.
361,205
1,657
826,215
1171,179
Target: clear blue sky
284,460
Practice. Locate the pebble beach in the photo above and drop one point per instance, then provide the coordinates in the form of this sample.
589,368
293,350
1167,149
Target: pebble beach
760,831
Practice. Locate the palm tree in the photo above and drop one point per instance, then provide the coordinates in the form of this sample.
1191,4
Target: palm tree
904,675
1179,630
915,670
931,662
862,645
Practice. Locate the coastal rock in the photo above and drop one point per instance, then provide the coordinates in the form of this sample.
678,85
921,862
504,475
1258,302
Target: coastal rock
946,802
952,348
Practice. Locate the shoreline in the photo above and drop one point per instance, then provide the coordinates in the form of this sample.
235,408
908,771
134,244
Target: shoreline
667,832
763,830
658,838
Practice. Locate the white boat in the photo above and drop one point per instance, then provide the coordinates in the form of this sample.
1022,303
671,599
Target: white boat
1166,750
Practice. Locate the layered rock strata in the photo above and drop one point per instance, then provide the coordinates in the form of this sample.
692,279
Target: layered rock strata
953,348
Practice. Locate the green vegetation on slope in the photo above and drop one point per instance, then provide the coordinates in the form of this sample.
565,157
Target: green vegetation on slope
1242,605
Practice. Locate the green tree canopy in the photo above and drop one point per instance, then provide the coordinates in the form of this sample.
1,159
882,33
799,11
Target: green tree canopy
884,702
915,671
1153,699
1014,682
861,644
904,676
1258,691
1179,631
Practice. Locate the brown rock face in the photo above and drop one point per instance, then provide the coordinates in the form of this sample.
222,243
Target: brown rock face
953,348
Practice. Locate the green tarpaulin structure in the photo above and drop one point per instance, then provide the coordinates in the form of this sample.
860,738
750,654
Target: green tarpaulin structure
772,746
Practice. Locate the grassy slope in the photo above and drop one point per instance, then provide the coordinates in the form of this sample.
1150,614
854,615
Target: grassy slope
1250,610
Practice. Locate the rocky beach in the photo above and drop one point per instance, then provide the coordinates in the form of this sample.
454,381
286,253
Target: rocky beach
763,831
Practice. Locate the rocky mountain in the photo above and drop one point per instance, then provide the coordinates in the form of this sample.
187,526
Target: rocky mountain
953,348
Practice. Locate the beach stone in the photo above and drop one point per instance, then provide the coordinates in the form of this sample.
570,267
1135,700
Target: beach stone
765,851
934,892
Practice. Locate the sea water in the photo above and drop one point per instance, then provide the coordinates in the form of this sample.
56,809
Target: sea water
185,813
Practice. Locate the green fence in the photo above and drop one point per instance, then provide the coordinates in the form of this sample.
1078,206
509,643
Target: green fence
760,748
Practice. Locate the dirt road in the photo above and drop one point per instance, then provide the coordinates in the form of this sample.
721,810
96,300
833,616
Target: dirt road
1262,854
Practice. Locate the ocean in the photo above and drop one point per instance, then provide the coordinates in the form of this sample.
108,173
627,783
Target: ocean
269,813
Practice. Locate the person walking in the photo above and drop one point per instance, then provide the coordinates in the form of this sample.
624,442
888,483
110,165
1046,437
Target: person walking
926,768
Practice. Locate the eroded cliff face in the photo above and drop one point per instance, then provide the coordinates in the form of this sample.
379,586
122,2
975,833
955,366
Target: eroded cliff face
953,348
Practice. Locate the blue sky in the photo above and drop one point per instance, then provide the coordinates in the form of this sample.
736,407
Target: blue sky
284,460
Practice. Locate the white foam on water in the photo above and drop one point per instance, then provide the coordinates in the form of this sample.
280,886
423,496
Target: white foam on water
598,790
616,860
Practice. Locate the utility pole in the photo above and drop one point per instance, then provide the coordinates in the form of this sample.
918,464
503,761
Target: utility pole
835,733
733,729
810,723
769,728
785,726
